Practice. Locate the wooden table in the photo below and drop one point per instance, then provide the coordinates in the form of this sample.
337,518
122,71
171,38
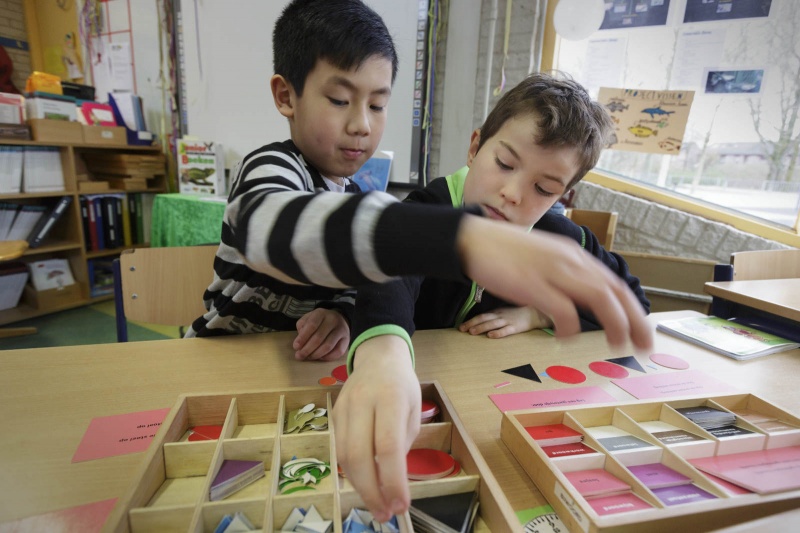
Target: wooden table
779,297
50,395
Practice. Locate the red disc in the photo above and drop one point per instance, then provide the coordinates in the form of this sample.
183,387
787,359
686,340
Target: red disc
566,374
328,380
340,373
669,361
429,408
608,370
428,463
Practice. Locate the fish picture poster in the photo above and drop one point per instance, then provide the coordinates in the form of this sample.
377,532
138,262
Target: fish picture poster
647,121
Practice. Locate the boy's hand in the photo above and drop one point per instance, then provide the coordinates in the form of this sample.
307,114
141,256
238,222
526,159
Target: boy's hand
376,419
322,334
506,321
553,274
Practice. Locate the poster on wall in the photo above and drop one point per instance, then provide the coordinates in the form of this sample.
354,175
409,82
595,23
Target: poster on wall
635,14
647,121
727,81
707,10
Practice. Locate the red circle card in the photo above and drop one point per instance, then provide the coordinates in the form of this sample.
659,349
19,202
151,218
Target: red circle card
608,370
428,463
340,373
566,374
669,361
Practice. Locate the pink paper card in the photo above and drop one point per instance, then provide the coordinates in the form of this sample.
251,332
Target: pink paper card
108,436
761,471
87,518
688,383
551,398
620,503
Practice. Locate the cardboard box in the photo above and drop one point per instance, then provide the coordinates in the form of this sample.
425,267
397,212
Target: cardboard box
253,425
108,135
578,513
53,298
56,130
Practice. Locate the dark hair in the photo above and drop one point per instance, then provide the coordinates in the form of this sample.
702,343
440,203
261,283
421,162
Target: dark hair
343,32
566,117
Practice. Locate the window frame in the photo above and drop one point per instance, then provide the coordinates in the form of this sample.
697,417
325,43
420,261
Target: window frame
774,232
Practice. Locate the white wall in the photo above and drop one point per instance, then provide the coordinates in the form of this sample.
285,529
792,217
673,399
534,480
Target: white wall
228,94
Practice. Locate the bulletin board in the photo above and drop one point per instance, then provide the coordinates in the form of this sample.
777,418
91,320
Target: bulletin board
225,57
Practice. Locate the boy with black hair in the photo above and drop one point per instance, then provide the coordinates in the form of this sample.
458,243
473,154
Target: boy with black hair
541,138
334,64
285,236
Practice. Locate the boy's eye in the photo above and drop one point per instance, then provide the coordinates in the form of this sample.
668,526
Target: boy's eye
336,102
543,192
377,108
501,164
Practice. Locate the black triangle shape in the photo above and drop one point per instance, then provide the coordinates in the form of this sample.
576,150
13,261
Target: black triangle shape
524,371
629,361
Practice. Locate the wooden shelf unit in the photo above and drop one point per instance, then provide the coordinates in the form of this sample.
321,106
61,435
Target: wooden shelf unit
66,240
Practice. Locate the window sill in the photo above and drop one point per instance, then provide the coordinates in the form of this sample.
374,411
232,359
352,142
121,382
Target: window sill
741,222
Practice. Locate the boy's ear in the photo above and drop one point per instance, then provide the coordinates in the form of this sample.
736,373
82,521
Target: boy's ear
474,142
283,95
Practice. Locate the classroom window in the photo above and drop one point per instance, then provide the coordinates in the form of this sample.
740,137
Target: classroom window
741,146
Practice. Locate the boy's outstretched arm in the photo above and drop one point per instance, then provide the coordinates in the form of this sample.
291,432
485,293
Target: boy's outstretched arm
553,274
377,415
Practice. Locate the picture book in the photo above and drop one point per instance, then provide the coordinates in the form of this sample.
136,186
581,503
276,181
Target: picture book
596,482
50,274
726,337
201,167
374,174
761,471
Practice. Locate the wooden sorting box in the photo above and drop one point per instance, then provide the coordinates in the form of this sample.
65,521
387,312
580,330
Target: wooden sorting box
171,490
548,473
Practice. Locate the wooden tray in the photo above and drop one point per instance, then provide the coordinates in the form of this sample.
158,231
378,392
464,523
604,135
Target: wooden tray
170,491
548,473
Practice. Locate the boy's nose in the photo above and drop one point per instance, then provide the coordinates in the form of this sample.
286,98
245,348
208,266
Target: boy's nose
358,123
511,192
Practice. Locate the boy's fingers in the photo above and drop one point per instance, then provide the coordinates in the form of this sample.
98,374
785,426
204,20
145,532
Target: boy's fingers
306,326
391,448
361,471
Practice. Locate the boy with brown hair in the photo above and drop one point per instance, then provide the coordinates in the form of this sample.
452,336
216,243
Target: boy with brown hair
541,138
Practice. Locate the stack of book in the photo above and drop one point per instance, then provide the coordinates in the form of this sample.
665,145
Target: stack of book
41,169
129,172
17,221
558,440
13,276
11,158
717,422
116,220
729,338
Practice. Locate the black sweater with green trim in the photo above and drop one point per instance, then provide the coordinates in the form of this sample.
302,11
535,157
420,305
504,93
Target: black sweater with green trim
428,303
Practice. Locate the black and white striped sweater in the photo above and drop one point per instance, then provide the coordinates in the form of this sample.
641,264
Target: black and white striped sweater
289,245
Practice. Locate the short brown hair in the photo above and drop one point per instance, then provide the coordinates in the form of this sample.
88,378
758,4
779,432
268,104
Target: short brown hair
566,117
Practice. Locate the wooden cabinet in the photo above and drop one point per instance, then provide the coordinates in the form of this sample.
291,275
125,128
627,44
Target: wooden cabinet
66,240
